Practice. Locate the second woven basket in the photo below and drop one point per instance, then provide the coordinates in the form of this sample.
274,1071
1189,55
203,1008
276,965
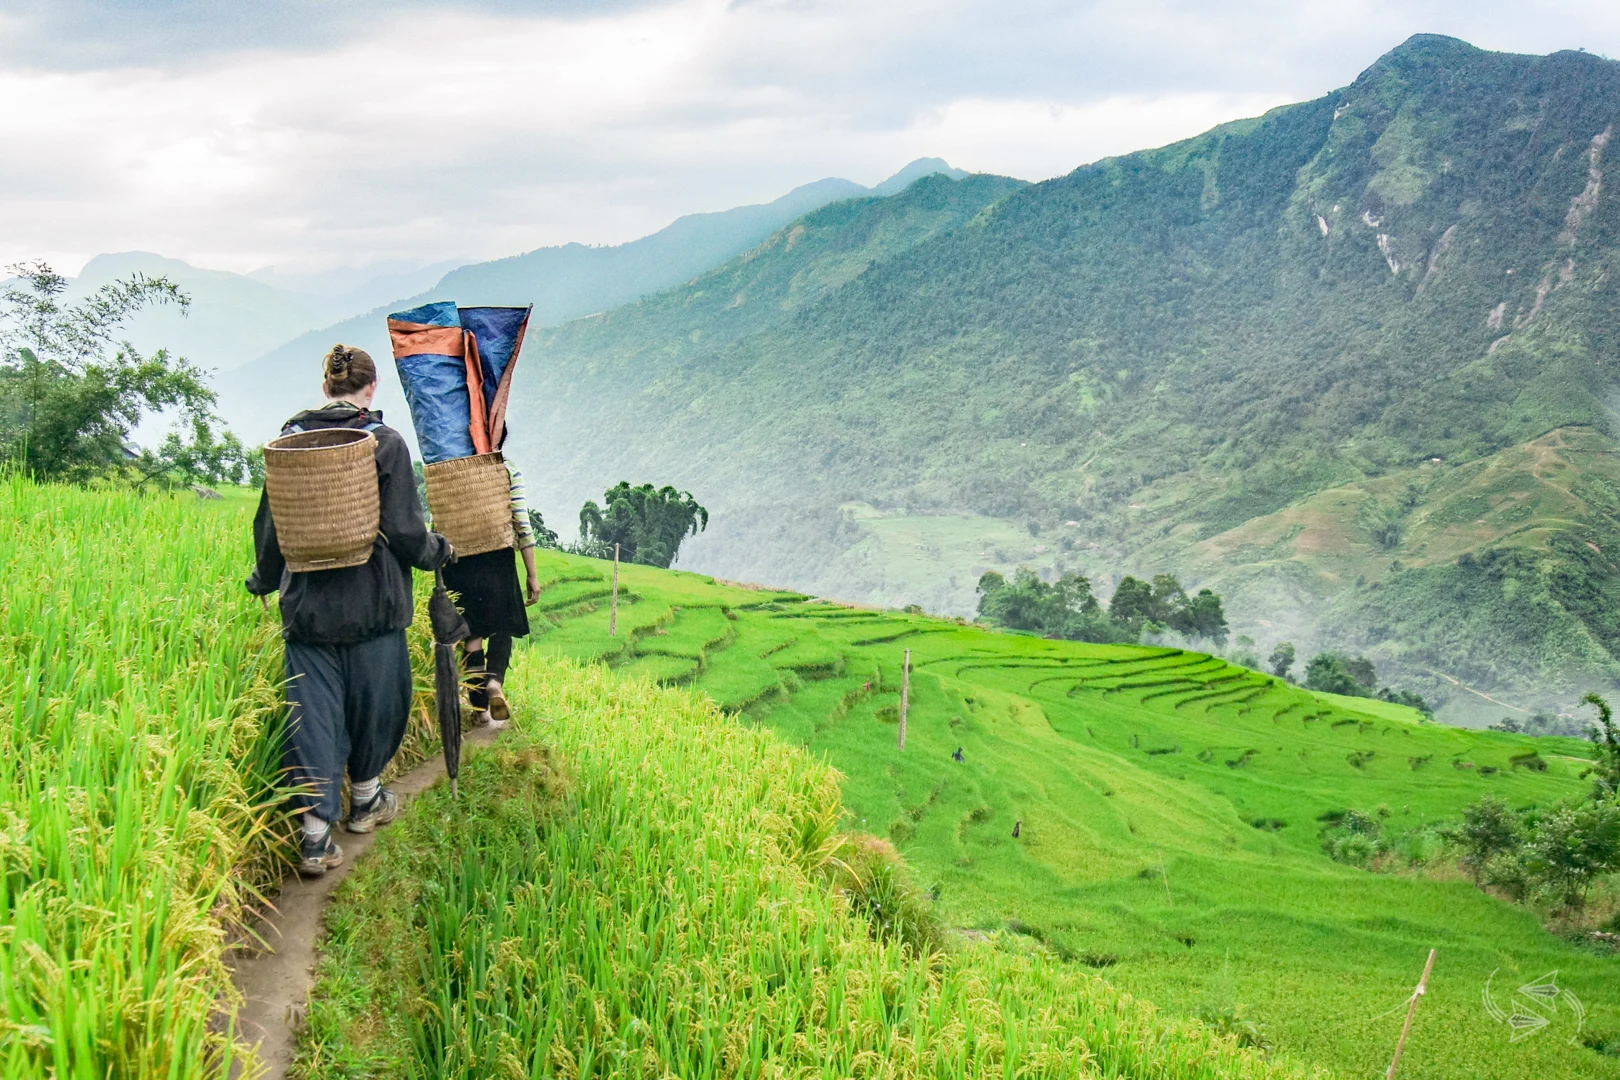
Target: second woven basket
471,500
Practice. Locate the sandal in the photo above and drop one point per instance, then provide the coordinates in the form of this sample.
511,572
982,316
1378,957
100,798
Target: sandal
498,707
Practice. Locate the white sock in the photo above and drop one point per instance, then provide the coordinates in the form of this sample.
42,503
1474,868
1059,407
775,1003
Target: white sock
315,826
362,792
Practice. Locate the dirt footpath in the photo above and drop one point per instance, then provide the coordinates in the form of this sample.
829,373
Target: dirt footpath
275,985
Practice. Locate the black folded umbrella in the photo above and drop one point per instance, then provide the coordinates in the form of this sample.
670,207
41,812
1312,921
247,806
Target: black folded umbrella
449,627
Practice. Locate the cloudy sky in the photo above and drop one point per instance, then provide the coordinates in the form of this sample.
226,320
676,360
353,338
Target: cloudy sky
318,133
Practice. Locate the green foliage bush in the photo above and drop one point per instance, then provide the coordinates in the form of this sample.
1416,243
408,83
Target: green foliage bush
71,393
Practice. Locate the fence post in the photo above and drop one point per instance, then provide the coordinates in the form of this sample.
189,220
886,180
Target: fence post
1417,995
613,611
905,697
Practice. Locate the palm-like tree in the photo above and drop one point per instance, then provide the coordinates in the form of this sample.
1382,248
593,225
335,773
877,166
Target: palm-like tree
647,523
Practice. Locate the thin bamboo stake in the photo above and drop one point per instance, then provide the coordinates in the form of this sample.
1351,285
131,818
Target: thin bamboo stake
905,697
1164,872
1417,995
613,611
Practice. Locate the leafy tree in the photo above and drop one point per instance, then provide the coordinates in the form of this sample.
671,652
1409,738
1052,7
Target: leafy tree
1410,698
1281,659
647,523
1167,602
1488,829
1132,603
1333,673
1361,669
543,537
1243,652
1606,741
1065,608
1139,605
1202,618
1572,846
67,406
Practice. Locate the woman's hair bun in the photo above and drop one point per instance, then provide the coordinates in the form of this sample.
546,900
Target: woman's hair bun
338,362
347,370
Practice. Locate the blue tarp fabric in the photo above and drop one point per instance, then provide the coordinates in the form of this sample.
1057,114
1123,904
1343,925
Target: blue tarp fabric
431,358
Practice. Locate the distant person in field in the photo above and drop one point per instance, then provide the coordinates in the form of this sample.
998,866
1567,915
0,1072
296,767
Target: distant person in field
348,668
487,592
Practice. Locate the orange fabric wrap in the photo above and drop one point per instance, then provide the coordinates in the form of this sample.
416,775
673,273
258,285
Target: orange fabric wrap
479,428
414,339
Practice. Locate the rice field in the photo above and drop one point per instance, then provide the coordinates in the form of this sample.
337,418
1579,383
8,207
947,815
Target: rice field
137,687
635,887
637,880
139,707
1169,805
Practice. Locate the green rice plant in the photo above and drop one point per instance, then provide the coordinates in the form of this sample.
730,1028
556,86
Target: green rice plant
692,633
661,669
140,710
656,905
138,697
1314,944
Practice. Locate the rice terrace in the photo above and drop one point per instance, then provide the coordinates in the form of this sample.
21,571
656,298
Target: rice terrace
1148,620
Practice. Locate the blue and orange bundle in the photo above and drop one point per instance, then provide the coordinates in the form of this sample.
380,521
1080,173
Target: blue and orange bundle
456,365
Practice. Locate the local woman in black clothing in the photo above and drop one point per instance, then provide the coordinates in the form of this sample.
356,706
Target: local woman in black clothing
487,592
348,668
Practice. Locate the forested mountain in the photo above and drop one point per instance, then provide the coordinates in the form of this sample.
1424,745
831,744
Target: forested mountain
562,283
1352,361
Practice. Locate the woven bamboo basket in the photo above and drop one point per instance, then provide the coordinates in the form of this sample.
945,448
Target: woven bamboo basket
471,500
323,497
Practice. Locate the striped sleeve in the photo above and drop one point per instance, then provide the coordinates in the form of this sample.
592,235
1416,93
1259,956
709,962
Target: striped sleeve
522,532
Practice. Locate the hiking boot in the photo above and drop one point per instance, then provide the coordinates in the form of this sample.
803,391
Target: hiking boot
319,854
379,811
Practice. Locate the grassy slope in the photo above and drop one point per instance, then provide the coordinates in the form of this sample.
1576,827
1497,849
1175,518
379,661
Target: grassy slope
1163,347
1128,767
633,888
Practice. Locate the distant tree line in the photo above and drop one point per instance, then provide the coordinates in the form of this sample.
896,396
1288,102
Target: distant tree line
1542,724
1553,854
1067,608
1337,673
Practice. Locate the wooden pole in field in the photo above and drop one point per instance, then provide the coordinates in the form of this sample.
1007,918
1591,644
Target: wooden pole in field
905,697
1417,995
613,611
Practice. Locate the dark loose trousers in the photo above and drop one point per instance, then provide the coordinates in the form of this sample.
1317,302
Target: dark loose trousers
349,707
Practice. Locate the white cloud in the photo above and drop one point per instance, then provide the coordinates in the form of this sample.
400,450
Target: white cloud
1045,138
458,131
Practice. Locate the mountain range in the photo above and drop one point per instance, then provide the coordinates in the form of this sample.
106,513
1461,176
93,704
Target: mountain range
562,283
1351,362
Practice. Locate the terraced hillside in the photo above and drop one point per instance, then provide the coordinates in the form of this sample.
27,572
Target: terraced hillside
1168,809
1365,312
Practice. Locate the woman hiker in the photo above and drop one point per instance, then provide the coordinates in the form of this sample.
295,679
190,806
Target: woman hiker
486,587
348,668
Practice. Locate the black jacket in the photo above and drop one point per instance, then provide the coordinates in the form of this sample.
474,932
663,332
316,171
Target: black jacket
356,603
